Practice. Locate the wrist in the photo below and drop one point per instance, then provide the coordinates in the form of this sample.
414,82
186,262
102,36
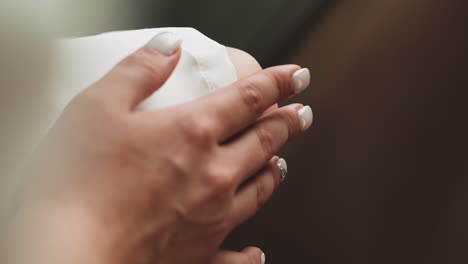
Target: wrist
44,232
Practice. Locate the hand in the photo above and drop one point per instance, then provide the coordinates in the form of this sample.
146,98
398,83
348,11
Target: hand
164,185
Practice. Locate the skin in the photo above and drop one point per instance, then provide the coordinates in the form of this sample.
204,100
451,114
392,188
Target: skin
246,65
164,186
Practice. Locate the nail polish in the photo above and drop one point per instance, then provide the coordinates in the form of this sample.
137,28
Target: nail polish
283,167
282,164
301,80
306,116
166,43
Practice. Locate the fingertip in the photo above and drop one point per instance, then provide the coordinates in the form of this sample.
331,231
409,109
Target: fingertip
287,70
274,160
295,106
275,171
142,73
306,117
167,43
301,80
244,63
293,117
287,67
255,253
287,80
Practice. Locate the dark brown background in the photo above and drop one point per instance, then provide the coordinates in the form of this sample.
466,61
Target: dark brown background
381,178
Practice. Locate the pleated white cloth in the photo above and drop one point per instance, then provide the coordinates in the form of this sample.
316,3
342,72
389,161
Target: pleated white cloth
204,67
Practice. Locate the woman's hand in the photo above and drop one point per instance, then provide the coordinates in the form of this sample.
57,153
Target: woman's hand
165,185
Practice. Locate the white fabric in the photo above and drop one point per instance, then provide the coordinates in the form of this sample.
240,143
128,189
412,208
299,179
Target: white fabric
204,66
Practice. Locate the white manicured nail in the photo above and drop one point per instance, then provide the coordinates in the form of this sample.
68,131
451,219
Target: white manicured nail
301,80
262,258
283,167
165,42
306,116
282,164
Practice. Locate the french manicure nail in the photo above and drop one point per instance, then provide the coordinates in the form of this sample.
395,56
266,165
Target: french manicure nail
301,80
262,258
166,43
283,167
306,116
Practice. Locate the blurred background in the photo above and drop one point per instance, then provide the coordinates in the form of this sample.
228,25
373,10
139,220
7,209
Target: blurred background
381,177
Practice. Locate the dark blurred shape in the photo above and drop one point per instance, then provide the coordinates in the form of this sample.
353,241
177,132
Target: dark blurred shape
268,29
382,176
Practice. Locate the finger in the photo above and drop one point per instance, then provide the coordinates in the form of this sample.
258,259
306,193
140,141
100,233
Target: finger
235,107
143,72
250,255
246,65
256,192
270,110
255,146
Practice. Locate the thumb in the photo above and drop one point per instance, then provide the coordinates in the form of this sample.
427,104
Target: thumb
143,72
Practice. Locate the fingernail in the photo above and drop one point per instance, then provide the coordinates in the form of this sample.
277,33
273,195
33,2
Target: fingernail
301,80
166,43
262,258
283,167
306,116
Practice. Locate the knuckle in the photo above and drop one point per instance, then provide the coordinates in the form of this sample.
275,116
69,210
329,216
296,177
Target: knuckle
252,96
223,225
199,131
262,193
282,85
291,121
202,133
220,180
265,140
